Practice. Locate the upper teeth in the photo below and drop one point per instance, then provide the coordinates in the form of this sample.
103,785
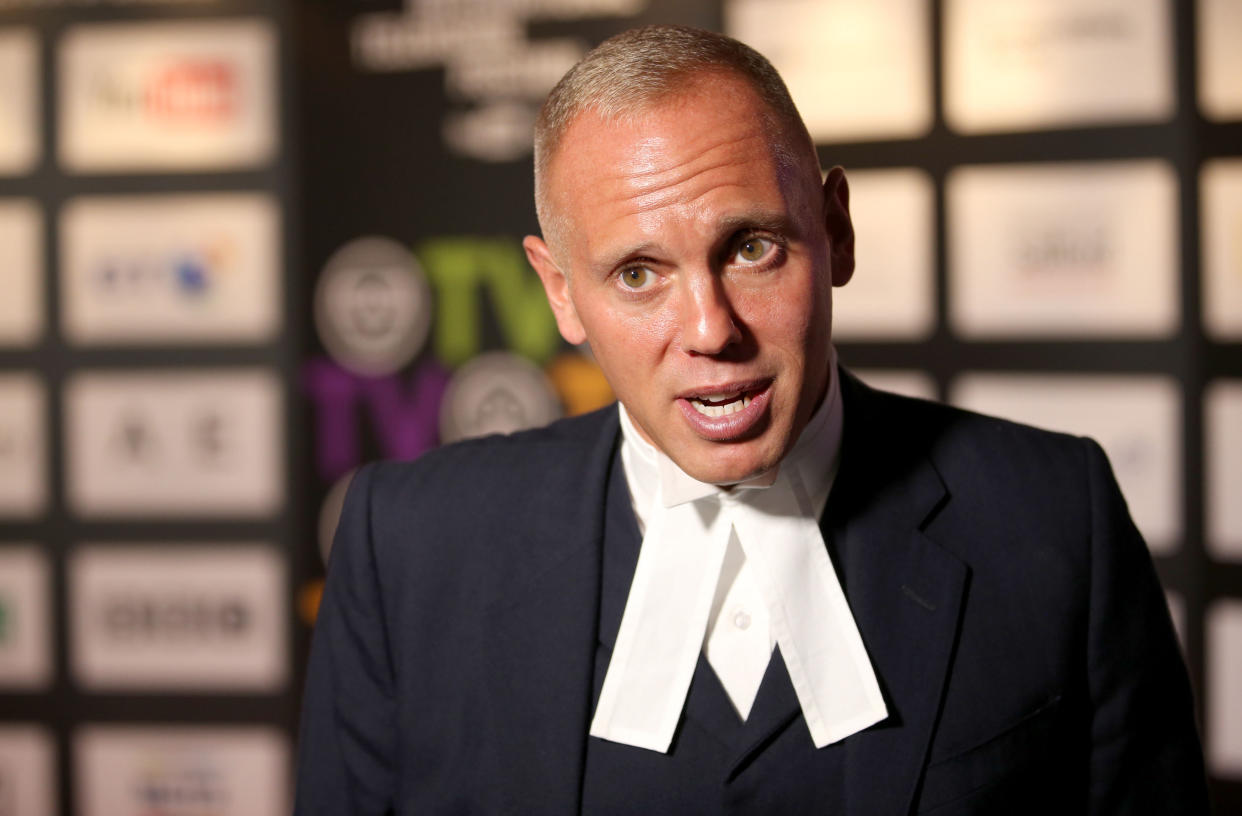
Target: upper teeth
736,404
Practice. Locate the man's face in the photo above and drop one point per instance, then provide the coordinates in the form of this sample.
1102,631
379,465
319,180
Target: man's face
699,267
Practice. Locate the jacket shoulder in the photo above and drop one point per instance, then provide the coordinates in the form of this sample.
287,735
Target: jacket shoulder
511,462
961,442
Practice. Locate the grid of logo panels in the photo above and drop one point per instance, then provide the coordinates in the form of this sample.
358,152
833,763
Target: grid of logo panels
1030,243
981,275
136,411
1066,270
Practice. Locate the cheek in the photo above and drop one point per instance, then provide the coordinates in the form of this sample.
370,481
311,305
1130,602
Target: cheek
627,344
608,318
787,321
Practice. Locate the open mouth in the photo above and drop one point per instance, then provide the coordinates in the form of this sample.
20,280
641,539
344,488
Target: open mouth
718,405
727,412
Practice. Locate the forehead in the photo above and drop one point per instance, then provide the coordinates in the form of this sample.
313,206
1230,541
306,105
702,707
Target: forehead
712,143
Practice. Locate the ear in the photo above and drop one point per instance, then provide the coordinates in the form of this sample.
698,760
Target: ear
838,225
556,287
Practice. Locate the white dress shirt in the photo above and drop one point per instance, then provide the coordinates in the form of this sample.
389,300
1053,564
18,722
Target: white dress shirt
696,589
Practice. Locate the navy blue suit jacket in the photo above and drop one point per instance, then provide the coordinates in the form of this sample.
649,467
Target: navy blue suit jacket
1006,600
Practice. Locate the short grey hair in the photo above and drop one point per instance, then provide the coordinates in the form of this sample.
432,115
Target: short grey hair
635,69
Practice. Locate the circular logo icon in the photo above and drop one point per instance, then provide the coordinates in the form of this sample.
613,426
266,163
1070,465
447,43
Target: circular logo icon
497,392
372,306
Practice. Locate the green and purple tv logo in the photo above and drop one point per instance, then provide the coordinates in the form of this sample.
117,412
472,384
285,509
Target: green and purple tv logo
450,339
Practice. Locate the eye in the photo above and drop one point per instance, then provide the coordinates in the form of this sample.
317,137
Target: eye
636,277
753,249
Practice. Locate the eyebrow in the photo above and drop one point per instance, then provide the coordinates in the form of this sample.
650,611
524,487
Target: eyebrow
763,220
605,266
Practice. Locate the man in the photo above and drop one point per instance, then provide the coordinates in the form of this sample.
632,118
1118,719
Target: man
756,585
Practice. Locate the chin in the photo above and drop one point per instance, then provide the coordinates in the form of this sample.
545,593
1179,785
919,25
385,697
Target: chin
713,468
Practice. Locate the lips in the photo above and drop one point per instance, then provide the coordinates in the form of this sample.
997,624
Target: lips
727,412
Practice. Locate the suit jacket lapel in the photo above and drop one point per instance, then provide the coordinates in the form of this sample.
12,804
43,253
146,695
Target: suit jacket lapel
541,635
904,589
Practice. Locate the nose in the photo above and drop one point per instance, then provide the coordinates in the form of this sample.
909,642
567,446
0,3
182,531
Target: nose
708,322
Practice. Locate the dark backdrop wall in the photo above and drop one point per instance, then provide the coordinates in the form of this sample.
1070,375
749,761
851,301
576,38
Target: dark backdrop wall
248,245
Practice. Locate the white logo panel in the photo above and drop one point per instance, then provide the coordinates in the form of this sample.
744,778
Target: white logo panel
1064,250
167,443
1049,63
1220,191
1223,650
21,272
892,293
19,101
27,771
25,625
1220,59
181,771
1222,407
156,269
167,96
856,69
1136,419
177,618
23,446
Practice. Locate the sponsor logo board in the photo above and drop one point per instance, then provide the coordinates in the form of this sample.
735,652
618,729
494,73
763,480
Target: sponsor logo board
893,293
27,771
1136,419
25,623
19,101
1064,250
169,443
175,618
1220,191
373,306
856,69
496,392
188,771
23,446
156,269
21,271
1056,63
1219,59
1222,406
1223,650
167,96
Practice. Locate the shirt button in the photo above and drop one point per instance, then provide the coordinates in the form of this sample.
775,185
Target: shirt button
741,620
